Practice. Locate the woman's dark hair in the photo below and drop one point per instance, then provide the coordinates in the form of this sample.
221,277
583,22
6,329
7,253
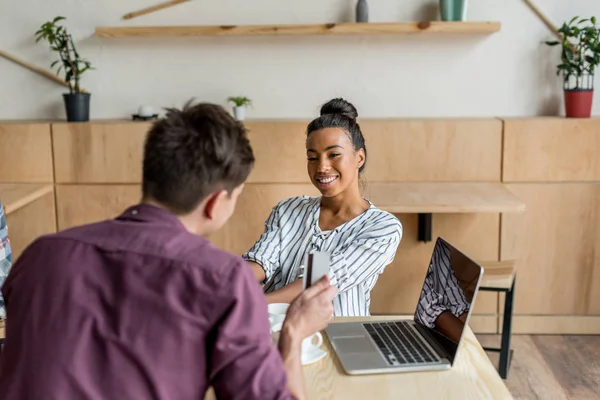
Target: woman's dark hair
339,113
191,152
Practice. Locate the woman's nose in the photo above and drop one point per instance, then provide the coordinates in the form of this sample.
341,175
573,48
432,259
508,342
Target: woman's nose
324,165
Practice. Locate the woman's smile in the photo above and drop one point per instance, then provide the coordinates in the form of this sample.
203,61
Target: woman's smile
325,181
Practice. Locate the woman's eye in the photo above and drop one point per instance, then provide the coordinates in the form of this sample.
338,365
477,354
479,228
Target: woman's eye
312,158
334,155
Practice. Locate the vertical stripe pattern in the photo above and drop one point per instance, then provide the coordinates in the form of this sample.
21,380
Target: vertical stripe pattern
5,257
441,291
360,250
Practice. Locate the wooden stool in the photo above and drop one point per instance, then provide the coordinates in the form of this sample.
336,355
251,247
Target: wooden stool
500,276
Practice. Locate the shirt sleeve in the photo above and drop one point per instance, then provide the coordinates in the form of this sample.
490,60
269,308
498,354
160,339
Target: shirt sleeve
244,362
441,291
265,252
373,250
5,257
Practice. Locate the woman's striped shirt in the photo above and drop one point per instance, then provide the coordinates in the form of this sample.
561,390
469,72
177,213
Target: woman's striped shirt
360,250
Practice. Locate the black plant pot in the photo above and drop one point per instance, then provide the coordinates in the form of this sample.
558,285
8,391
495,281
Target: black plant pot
77,106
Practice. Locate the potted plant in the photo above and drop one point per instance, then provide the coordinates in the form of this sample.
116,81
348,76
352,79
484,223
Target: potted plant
239,106
77,102
579,58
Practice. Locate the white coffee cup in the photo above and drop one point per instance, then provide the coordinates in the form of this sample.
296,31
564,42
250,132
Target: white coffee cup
277,313
308,344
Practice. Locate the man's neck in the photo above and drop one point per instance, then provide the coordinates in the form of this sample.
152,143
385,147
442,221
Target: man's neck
191,221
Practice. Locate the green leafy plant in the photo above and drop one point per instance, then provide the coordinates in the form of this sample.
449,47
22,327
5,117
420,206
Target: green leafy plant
580,52
240,101
61,42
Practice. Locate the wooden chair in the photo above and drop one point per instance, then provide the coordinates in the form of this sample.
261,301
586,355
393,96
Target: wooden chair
500,276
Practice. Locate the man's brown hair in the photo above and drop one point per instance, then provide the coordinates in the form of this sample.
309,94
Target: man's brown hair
192,152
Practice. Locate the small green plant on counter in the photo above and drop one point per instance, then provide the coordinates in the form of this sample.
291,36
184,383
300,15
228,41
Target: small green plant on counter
70,61
240,101
580,51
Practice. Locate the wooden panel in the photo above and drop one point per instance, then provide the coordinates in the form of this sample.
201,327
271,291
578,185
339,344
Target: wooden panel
556,243
280,151
25,152
551,149
443,197
397,290
82,204
483,323
31,221
399,150
253,208
555,325
344,28
99,152
433,150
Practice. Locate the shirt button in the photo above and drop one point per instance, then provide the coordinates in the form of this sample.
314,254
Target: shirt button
134,212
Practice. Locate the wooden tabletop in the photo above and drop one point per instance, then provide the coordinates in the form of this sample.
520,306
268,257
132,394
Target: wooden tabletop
443,197
16,195
472,377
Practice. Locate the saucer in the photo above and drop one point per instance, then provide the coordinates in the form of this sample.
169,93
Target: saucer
144,117
313,356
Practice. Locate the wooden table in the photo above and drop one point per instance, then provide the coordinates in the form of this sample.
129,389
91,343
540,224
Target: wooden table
427,198
472,377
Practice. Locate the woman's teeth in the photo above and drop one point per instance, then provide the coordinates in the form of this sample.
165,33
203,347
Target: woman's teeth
327,180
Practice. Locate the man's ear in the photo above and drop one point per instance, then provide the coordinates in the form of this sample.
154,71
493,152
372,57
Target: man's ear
213,202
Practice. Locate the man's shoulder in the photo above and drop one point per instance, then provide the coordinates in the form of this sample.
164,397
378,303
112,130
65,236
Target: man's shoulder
174,246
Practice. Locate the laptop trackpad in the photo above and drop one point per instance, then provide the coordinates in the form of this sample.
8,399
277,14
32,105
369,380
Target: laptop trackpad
354,345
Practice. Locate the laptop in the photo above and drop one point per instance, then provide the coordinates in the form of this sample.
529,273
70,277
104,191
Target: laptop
429,341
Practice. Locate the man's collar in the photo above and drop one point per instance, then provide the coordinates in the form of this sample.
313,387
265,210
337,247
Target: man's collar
143,212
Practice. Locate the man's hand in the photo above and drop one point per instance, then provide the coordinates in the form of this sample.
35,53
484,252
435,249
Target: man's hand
309,313
312,310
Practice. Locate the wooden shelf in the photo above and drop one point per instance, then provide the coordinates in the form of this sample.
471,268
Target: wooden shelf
17,195
371,28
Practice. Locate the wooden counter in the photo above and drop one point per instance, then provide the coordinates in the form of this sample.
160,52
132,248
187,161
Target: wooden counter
500,189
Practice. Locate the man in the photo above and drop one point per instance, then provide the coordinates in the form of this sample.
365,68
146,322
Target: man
143,306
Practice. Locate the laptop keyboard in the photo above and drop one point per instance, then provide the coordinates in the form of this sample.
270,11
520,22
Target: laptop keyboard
399,343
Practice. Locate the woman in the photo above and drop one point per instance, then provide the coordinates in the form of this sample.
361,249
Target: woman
5,258
361,239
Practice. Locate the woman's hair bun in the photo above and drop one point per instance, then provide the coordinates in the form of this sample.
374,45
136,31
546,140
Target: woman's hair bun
340,106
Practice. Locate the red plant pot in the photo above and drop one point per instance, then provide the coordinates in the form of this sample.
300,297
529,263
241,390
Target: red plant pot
578,103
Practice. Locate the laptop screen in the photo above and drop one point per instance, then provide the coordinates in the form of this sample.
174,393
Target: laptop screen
448,294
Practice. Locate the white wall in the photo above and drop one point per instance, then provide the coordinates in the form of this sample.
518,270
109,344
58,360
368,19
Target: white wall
509,73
